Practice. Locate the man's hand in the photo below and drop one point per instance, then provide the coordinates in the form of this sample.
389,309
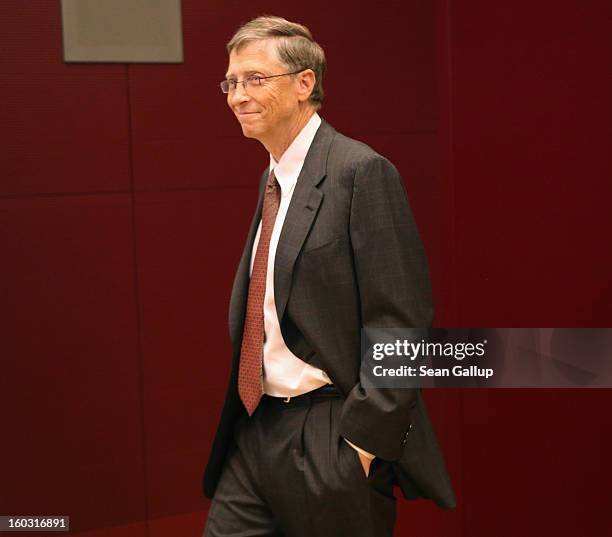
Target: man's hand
365,462
365,457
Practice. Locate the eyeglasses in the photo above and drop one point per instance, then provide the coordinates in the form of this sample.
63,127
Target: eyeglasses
252,82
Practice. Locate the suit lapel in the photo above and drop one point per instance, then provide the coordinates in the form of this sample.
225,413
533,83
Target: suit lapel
302,211
240,289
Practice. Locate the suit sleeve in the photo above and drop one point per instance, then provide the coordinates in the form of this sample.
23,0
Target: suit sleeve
394,292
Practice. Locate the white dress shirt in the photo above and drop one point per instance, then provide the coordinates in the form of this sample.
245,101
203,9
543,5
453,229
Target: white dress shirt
284,374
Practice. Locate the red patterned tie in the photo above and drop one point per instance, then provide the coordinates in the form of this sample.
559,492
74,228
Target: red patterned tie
250,380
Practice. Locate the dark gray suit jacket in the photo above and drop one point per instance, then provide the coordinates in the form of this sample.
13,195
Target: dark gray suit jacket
349,256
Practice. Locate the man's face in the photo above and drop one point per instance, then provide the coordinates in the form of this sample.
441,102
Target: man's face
265,111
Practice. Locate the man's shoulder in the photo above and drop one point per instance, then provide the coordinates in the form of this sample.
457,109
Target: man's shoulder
347,145
352,154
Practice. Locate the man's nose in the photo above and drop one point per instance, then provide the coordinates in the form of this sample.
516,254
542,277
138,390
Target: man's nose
238,96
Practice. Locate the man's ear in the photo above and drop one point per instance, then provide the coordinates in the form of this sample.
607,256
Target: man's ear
306,82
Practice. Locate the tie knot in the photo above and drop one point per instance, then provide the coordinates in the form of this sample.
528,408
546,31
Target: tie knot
272,182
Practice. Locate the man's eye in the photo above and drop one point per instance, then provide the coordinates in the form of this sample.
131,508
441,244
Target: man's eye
254,80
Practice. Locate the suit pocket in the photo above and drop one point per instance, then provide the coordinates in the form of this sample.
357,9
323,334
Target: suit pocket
353,465
311,246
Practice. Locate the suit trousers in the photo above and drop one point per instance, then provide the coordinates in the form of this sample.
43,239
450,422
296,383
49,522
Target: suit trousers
289,473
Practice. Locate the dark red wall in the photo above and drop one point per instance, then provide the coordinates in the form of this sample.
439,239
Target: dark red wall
525,129
126,192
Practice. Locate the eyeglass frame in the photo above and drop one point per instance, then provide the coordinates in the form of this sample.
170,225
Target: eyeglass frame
250,78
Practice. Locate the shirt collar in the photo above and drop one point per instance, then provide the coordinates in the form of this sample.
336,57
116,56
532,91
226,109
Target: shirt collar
288,168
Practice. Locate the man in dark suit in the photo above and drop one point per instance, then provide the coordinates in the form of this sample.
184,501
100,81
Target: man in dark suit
304,447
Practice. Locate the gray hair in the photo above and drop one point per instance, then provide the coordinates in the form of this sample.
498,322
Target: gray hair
295,47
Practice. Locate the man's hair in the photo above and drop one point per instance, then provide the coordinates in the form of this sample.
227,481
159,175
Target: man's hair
295,47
